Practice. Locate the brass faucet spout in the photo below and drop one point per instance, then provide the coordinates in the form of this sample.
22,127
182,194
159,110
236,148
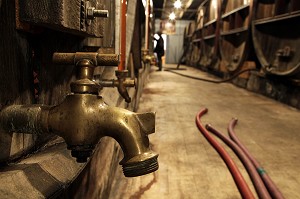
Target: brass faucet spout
123,83
130,130
82,120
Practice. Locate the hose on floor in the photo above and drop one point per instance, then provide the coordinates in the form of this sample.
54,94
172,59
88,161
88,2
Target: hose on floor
273,189
237,176
210,80
260,188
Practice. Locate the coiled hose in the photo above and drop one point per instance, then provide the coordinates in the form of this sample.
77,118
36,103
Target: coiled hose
260,188
273,190
237,176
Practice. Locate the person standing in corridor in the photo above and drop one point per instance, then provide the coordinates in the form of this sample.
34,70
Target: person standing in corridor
159,49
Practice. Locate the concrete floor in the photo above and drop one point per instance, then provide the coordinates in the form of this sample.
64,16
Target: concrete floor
189,166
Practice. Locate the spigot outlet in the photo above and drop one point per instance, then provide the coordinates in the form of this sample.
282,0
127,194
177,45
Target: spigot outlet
146,56
91,119
122,75
121,83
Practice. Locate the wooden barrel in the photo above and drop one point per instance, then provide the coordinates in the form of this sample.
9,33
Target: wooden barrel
197,38
190,33
235,39
210,34
276,36
185,36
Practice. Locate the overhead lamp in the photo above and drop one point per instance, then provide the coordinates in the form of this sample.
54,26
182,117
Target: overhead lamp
177,4
172,16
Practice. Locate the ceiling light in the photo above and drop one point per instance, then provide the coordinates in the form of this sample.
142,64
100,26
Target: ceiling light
177,4
172,16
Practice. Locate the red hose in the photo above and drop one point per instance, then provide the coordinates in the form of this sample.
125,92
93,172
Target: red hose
273,189
237,176
260,188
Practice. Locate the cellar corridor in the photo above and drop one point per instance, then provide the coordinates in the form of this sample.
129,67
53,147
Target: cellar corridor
189,166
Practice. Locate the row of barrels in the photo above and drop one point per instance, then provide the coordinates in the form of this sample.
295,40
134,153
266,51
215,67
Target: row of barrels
231,32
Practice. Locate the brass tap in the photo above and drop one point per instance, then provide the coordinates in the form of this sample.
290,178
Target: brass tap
83,118
86,62
122,82
146,56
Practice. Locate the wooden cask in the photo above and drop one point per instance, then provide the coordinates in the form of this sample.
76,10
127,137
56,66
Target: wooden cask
210,34
276,36
235,34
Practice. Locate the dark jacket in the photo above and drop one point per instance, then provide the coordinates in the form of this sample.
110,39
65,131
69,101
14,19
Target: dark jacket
159,49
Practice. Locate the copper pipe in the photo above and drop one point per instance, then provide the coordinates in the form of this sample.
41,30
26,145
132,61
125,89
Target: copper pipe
260,188
237,176
123,35
147,25
273,189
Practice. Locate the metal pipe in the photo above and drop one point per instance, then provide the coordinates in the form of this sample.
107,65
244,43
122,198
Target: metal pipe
147,25
271,186
237,176
97,58
91,119
260,188
123,35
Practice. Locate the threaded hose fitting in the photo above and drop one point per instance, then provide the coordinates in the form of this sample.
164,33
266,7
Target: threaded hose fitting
140,168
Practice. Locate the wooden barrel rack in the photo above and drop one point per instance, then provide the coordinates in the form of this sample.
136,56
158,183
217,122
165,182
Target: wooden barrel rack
189,39
276,36
235,33
197,38
210,34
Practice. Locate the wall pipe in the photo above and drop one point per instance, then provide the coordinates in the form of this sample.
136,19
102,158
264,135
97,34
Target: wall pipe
147,25
260,188
123,35
237,176
273,189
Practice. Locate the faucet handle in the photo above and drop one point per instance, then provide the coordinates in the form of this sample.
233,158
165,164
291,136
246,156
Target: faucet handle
85,62
96,58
